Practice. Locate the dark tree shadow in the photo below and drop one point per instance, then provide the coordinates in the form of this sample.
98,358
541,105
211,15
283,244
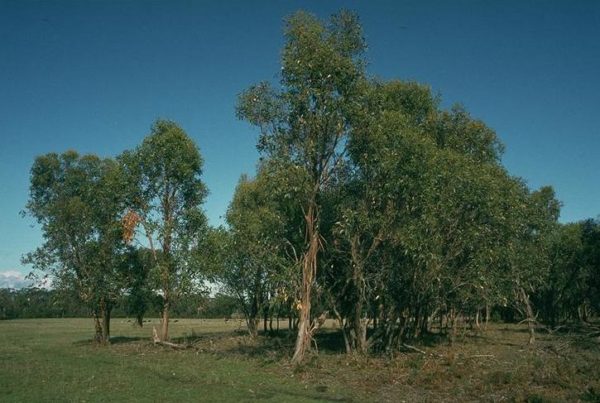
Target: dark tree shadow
126,339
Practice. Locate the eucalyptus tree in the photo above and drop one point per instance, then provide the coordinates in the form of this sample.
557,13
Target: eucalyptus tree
464,224
590,235
264,234
561,293
255,230
417,219
78,202
571,288
388,163
529,252
165,197
140,296
304,123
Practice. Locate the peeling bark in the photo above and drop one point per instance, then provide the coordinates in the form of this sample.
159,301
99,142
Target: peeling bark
309,271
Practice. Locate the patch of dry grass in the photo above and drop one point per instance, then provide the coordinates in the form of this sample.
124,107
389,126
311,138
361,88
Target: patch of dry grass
494,365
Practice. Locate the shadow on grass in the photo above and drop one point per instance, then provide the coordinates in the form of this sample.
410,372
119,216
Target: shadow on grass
513,329
195,338
431,339
113,340
270,393
280,345
269,345
124,339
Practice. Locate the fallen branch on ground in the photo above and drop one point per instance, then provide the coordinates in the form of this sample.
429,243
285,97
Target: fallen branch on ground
157,340
413,348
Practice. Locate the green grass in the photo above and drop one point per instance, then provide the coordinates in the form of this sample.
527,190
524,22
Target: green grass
54,360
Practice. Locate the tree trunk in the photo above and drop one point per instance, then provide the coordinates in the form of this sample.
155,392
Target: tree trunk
165,322
345,334
102,322
358,329
166,289
253,327
303,338
416,331
106,323
582,313
253,316
530,316
265,320
140,320
425,328
309,270
454,323
97,327
359,325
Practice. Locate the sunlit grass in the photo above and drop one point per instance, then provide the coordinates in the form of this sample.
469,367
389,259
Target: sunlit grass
54,360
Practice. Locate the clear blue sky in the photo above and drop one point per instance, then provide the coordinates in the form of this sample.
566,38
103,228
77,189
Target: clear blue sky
93,75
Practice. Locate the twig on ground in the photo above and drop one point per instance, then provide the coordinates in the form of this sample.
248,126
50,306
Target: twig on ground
413,348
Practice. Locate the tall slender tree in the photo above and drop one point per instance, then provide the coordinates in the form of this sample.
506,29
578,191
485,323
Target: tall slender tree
165,197
304,123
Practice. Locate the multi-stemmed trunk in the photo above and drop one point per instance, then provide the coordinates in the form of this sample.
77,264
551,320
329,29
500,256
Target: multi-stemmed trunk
360,256
309,271
252,314
165,270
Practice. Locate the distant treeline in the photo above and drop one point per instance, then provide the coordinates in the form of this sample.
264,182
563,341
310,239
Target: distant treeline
30,303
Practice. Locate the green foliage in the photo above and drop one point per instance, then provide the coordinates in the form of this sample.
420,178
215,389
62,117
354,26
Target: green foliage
410,207
40,303
78,200
570,291
259,255
83,203
139,293
304,126
166,192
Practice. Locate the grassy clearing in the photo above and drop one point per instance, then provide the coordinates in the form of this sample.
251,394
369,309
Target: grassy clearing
53,360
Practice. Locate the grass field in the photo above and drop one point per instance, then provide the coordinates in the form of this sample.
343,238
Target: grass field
54,360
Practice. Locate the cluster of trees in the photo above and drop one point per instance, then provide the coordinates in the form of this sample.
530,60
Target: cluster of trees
371,204
39,303
375,206
131,225
571,290
35,302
